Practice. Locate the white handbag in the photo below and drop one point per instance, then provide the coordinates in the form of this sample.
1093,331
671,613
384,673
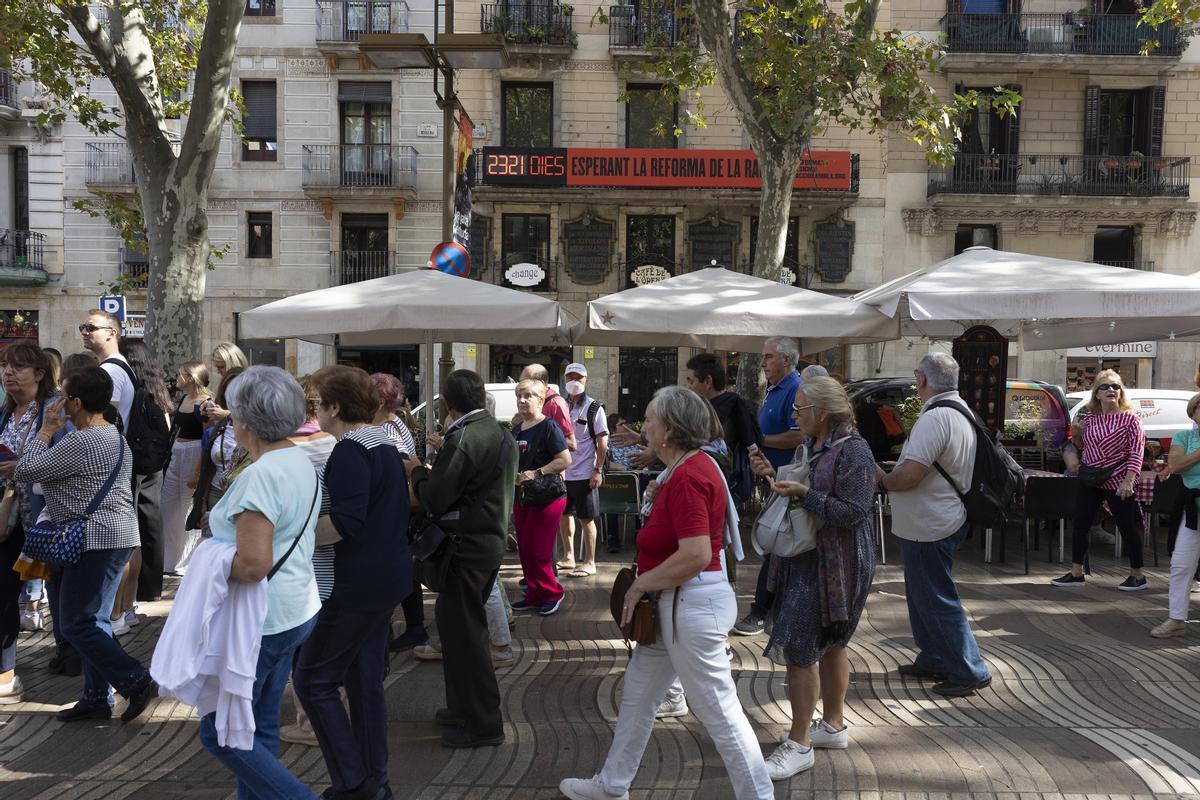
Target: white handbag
783,531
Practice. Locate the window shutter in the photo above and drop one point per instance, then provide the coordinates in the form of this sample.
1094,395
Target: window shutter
1156,102
364,92
1091,121
260,119
954,6
1012,126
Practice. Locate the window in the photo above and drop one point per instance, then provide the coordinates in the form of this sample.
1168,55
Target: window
259,143
984,131
258,234
20,184
260,8
366,112
650,117
528,119
1115,246
526,240
974,236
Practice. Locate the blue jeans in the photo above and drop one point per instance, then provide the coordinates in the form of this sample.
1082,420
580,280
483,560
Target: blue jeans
85,597
259,772
939,623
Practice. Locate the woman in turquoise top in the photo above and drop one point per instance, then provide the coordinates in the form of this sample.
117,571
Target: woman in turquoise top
269,513
1184,461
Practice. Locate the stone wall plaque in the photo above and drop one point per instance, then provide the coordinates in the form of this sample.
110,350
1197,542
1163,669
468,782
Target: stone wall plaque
835,247
712,240
588,244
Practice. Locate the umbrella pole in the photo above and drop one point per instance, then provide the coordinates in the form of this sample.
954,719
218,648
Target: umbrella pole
427,371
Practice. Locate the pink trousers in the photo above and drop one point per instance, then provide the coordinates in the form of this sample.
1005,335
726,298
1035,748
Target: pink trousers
537,529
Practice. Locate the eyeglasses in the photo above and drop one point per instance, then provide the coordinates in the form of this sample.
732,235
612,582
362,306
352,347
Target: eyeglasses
14,367
85,328
797,409
1104,387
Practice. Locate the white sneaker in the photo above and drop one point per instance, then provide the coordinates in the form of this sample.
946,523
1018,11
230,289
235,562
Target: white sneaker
1196,586
131,618
588,789
672,707
790,758
32,621
119,626
11,692
825,736
503,657
428,652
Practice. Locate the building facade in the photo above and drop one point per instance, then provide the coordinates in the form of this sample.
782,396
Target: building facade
339,176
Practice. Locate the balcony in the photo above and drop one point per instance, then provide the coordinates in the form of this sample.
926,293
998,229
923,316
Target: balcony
1144,266
531,28
1043,40
135,267
353,266
108,164
8,96
342,22
639,31
359,169
22,258
1063,176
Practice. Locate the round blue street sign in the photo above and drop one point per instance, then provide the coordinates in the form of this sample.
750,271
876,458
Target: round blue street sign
451,258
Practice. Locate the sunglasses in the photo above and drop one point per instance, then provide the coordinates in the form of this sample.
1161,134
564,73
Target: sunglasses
1104,387
93,328
797,409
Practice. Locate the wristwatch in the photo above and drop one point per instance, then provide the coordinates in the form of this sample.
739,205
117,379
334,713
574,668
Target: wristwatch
598,470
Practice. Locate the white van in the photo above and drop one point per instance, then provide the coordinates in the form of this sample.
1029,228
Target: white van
504,394
1163,412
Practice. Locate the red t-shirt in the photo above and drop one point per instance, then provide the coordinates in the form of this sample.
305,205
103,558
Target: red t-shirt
690,503
555,409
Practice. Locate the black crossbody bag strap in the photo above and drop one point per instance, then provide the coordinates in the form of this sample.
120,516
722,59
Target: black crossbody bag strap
299,536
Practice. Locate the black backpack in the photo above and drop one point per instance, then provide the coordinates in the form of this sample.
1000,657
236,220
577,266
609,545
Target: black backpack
996,480
148,435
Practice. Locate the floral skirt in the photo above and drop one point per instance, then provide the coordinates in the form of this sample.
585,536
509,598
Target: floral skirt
797,637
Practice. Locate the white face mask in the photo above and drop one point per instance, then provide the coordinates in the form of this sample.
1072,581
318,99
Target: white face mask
574,388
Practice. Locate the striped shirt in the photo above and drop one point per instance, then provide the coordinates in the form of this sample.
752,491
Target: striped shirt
1110,440
318,448
400,436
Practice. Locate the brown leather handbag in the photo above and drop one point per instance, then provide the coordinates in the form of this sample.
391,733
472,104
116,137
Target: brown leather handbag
643,627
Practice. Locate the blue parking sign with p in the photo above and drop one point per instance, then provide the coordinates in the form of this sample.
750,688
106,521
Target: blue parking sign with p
114,304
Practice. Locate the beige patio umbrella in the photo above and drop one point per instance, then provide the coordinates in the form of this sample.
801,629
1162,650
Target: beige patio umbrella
419,307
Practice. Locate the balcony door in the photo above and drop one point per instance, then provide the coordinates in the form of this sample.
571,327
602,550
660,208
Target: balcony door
366,123
987,157
364,253
366,16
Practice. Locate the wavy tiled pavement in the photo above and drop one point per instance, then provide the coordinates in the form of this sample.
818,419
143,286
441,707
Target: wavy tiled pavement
1083,705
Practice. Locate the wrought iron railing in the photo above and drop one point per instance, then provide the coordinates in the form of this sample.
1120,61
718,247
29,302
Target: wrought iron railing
135,266
8,89
1056,175
348,20
647,27
1073,32
1144,266
359,165
352,266
528,23
519,271
22,249
108,164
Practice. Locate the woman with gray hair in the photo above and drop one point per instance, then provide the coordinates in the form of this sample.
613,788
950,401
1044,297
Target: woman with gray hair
820,594
268,512
680,566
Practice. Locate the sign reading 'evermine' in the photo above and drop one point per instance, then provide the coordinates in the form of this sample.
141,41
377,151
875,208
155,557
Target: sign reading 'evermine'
645,168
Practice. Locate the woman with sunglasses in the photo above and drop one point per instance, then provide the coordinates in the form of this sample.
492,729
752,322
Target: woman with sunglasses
1111,443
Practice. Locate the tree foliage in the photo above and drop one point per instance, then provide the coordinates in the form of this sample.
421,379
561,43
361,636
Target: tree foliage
153,53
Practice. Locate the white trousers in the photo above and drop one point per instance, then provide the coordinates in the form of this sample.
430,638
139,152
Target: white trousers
691,644
1184,558
177,500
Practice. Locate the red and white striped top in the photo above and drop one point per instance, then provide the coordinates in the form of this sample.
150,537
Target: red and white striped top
1110,440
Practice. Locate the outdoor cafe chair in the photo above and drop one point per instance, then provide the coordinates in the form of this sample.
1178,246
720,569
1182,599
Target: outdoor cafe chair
1047,499
1166,497
620,494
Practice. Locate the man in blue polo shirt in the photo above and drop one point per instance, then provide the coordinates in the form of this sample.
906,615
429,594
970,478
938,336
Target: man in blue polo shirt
780,355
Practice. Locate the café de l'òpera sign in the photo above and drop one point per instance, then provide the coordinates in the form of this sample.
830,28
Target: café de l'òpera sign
647,274
525,274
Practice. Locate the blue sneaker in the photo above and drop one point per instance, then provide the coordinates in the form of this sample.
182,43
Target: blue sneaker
549,608
525,605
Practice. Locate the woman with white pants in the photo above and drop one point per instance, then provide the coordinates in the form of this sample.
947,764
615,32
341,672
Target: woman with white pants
192,380
679,557
1184,461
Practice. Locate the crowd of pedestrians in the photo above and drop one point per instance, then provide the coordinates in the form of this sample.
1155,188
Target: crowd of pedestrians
299,511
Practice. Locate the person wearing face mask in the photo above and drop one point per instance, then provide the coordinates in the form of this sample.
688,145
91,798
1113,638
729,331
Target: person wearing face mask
586,471
1110,440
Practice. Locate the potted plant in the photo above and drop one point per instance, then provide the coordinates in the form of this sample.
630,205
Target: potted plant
1112,162
1134,160
1160,163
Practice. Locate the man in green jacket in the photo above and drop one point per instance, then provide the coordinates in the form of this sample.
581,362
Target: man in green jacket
469,489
